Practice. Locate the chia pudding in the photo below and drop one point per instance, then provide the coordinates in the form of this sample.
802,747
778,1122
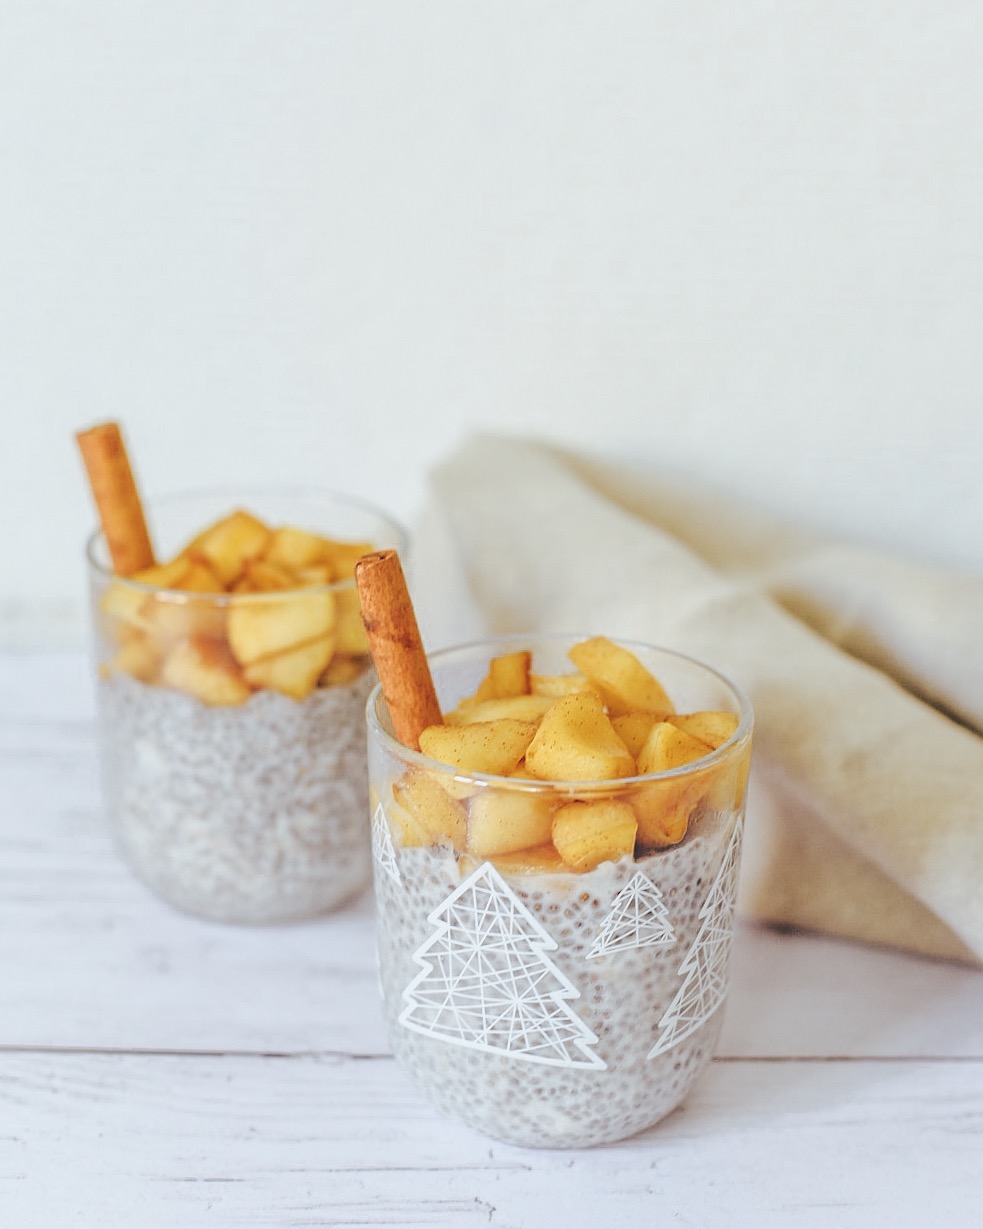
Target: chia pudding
232,675
640,1016
554,951
252,813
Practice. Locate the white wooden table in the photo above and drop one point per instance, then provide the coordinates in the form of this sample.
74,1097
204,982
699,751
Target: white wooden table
160,1071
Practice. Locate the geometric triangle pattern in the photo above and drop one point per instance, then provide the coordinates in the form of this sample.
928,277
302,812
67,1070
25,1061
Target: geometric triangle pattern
637,918
382,845
705,966
486,982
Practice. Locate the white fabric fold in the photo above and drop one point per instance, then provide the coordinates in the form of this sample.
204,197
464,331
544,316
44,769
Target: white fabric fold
918,622
865,816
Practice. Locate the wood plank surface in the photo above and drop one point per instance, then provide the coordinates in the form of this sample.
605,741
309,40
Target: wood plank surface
157,1070
164,1141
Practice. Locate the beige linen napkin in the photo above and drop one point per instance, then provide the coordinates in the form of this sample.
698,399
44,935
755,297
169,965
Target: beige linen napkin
919,623
866,808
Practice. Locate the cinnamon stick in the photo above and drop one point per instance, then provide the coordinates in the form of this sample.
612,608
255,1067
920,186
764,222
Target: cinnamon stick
116,496
397,650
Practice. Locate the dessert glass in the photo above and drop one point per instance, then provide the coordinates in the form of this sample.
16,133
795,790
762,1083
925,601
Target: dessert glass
551,1008
249,808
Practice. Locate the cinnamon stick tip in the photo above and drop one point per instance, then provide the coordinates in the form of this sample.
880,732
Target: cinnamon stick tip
98,430
373,558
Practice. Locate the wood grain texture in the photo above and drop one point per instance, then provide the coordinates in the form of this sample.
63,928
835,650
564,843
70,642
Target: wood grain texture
160,1141
156,1070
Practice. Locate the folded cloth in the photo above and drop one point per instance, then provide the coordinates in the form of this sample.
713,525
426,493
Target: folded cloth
918,622
865,814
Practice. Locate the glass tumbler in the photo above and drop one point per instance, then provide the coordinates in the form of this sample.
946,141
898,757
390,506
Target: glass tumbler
231,724
543,1005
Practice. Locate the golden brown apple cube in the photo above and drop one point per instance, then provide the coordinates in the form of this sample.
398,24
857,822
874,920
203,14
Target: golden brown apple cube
522,708
485,746
344,555
343,669
710,726
503,821
633,729
294,548
229,542
352,637
542,860
169,616
126,603
139,655
669,747
204,669
407,830
663,810
575,741
664,807
314,574
508,675
431,807
265,576
260,628
295,672
588,833
557,685
624,684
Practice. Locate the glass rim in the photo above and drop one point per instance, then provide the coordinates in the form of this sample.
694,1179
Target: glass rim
238,495
418,759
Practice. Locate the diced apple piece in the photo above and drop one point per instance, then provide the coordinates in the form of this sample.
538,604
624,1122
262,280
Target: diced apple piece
265,576
728,782
407,830
458,787
711,726
588,833
127,602
165,575
575,741
624,684
314,574
352,637
508,675
543,860
294,672
557,685
504,821
485,746
259,628
204,668
522,708
344,555
169,616
633,729
294,548
663,809
431,807
669,747
173,616
343,670
139,655
229,542
198,577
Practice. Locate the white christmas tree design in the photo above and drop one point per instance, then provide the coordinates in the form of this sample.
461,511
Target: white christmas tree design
486,982
637,918
705,965
382,845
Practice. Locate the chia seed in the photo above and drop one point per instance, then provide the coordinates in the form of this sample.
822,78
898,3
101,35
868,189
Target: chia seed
253,813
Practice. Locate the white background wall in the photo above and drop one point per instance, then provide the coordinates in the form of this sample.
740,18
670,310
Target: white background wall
318,242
